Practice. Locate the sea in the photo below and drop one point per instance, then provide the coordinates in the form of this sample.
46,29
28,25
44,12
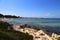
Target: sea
53,24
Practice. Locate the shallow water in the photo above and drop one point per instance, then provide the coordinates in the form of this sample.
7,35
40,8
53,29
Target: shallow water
52,24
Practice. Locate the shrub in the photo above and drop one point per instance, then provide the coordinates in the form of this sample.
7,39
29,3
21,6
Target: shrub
4,25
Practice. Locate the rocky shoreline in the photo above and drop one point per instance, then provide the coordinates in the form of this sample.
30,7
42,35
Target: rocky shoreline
37,33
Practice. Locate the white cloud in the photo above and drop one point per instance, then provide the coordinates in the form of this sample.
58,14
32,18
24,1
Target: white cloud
48,15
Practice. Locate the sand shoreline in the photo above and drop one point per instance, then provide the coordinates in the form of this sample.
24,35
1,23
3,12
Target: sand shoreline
4,19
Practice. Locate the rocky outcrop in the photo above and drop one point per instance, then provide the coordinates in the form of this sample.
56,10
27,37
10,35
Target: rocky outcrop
37,34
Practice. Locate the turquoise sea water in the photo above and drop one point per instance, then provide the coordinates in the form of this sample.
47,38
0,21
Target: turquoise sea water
52,24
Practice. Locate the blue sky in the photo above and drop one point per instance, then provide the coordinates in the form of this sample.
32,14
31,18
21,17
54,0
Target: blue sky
31,8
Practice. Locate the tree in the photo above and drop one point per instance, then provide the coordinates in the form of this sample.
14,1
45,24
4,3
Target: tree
1,15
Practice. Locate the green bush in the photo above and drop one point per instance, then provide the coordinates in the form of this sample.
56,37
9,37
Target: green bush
11,34
4,25
14,35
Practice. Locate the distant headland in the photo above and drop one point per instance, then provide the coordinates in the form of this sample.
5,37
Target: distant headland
8,16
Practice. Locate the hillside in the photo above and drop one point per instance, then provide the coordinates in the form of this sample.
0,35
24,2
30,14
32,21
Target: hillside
9,16
6,34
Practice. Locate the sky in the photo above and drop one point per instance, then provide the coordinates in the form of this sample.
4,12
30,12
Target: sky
31,8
